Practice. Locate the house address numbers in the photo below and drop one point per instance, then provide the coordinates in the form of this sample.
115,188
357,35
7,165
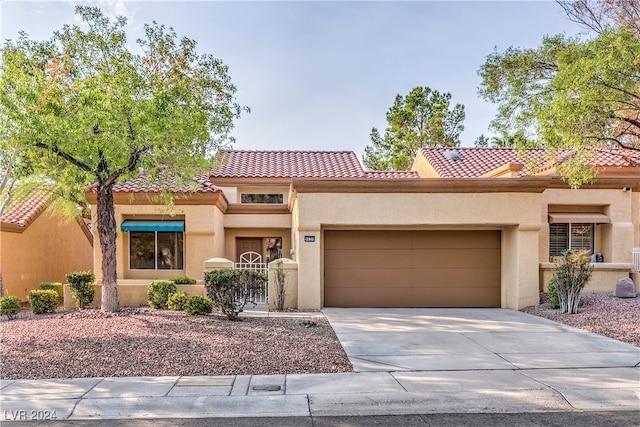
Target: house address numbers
309,238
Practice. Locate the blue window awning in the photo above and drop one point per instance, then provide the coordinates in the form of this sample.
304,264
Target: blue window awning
130,225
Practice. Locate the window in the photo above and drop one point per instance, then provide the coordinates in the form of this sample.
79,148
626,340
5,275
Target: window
155,245
262,198
574,236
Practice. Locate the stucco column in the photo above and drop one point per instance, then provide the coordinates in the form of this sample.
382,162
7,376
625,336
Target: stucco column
621,242
290,270
524,268
217,264
309,269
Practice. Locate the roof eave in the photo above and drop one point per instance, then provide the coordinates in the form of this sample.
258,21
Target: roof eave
253,181
154,198
423,185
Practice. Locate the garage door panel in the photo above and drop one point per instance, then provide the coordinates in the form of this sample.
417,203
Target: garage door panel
459,278
459,239
417,258
362,239
402,277
387,268
365,258
368,297
411,297
368,277
454,258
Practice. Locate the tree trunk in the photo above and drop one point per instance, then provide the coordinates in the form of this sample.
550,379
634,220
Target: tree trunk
107,233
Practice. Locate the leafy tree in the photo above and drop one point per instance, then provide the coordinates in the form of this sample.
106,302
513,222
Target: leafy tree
86,110
569,93
515,140
481,142
598,15
423,118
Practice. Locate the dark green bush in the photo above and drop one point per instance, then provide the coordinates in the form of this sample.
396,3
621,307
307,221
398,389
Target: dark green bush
43,301
178,301
10,306
82,290
159,291
231,290
53,286
198,305
552,295
184,281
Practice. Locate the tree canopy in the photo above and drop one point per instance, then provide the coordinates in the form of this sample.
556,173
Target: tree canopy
84,109
578,93
424,118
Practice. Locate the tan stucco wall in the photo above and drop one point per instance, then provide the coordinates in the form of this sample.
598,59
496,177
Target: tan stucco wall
257,220
202,222
44,252
295,223
603,278
423,167
290,269
613,240
510,212
129,295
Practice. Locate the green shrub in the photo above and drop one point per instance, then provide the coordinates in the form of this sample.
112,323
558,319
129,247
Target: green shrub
231,290
159,291
82,290
198,305
552,295
10,306
184,281
43,301
178,301
573,271
53,286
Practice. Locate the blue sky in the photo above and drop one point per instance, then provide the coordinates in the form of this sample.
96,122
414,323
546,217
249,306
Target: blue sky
320,75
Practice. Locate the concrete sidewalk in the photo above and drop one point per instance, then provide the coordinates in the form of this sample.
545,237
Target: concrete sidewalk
366,393
496,365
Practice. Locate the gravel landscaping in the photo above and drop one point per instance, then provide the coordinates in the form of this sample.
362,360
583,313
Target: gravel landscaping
146,342
601,313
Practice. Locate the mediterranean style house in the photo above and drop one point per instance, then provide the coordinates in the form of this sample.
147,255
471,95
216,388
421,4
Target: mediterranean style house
37,246
466,227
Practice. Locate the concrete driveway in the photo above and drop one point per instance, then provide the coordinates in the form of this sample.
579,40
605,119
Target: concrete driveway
425,339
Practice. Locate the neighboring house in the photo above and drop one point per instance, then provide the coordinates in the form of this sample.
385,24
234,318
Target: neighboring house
37,246
451,232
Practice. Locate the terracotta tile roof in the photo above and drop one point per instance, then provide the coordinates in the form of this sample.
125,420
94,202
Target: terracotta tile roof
288,164
392,174
475,162
138,185
610,157
22,212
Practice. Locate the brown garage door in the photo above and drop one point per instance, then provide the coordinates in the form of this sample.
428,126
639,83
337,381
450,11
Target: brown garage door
388,268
